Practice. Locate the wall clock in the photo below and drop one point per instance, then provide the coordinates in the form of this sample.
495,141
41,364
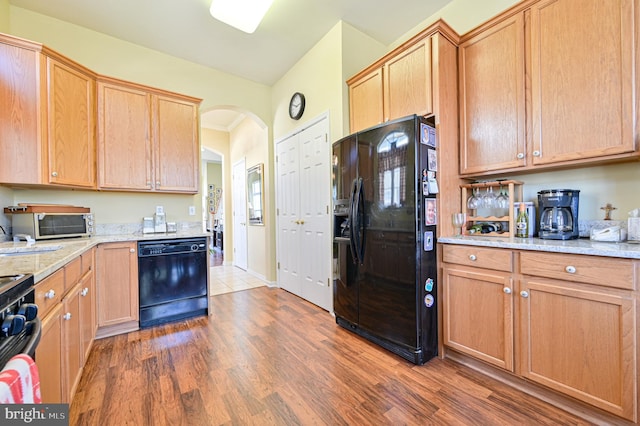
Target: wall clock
296,106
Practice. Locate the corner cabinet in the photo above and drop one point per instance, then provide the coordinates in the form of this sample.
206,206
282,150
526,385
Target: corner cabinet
566,322
397,85
148,140
49,135
549,84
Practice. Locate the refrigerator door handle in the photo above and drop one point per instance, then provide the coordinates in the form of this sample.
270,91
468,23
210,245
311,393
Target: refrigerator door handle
352,201
357,226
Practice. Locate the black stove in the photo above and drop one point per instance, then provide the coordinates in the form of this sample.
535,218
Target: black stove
19,322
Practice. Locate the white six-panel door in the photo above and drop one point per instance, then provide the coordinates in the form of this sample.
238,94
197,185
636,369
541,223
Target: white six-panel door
304,220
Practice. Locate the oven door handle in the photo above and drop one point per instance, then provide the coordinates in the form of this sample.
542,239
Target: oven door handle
36,333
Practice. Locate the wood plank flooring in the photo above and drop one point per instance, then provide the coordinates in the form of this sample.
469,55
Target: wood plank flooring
267,357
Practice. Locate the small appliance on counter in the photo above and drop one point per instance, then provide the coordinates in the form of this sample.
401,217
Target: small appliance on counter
558,214
50,221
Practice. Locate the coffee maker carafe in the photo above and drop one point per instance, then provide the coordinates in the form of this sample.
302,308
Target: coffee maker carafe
558,214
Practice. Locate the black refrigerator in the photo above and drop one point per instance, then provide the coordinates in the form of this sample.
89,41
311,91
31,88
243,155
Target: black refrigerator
384,252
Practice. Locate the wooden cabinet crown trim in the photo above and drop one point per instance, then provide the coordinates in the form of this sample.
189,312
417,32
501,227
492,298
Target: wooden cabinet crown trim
153,90
439,26
506,14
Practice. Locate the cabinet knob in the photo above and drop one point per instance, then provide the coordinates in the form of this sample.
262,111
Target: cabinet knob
54,174
506,290
520,155
536,153
472,257
157,183
84,291
67,316
570,269
50,294
132,250
524,294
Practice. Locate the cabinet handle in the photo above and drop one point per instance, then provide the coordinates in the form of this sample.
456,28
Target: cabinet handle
570,269
536,153
50,294
67,316
520,155
132,250
524,294
506,290
472,257
84,291
54,174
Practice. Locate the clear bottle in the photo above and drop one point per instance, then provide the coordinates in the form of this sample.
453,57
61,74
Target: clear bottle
522,222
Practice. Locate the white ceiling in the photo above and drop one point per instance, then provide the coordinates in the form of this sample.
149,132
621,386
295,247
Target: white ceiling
185,29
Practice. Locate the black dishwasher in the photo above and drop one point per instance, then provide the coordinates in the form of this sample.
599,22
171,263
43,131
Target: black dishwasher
173,280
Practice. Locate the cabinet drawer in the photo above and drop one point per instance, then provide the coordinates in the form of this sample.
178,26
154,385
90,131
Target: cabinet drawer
48,292
604,271
488,258
73,272
87,261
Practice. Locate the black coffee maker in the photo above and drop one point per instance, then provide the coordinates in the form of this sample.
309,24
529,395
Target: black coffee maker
558,214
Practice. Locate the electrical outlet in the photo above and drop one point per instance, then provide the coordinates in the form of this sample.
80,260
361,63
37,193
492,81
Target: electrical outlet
192,210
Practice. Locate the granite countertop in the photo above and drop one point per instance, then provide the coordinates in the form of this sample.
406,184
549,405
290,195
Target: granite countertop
580,246
44,263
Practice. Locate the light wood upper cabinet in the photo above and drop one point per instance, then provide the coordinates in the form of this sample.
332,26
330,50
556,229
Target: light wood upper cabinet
47,134
550,84
492,87
71,125
176,144
124,137
407,77
147,140
366,101
398,85
582,81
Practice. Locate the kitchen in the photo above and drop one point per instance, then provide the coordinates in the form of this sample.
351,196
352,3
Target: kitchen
599,184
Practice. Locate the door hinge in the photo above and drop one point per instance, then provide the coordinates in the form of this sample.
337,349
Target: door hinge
327,209
278,265
277,212
328,283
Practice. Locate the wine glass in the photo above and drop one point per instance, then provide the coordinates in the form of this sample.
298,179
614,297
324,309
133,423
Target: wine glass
458,220
489,198
473,202
502,200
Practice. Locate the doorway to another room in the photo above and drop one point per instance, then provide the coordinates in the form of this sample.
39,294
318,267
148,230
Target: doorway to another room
213,211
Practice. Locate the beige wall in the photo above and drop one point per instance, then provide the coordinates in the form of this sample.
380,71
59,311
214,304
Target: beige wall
4,16
249,140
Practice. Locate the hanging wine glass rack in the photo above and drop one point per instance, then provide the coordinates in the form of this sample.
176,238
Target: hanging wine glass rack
491,214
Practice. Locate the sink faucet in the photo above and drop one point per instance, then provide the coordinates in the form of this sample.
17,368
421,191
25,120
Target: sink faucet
17,237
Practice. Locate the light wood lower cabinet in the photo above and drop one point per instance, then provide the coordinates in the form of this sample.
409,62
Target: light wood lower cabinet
567,322
65,342
117,288
49,357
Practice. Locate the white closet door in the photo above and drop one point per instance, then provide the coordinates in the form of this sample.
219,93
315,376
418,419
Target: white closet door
314,213
288,202
239,179
304,223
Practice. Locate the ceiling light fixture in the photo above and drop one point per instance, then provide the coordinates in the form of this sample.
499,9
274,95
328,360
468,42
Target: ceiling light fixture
244,15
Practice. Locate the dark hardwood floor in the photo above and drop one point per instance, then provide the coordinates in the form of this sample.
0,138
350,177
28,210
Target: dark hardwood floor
267,357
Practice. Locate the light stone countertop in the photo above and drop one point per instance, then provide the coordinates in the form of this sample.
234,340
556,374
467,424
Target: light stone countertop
45,263
579,246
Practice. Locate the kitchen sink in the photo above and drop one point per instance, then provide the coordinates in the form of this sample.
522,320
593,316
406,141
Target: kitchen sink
22,251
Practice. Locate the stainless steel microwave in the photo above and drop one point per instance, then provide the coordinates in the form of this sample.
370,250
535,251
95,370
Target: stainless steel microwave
44,226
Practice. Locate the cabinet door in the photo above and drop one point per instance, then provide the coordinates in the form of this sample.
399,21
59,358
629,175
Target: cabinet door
49,357
117,283
124,138
407,79
88,323
492,99
71,126
366,101
20,107
176,145
478,314
72,349
580,341
582,55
